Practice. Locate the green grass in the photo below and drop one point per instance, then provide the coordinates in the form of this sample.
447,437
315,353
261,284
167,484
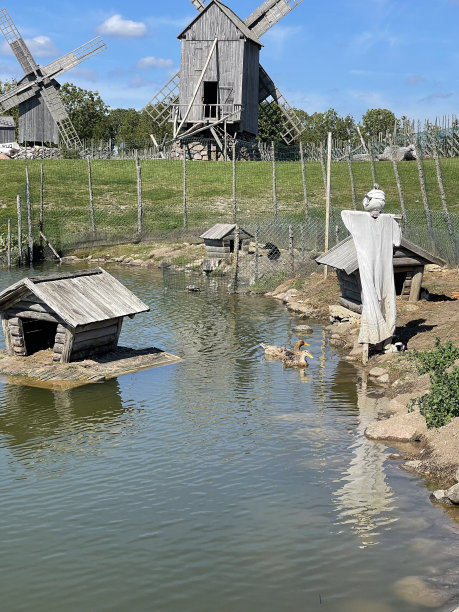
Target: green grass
209,192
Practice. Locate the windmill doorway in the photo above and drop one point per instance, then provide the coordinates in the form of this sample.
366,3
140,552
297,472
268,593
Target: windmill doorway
210,99
38,335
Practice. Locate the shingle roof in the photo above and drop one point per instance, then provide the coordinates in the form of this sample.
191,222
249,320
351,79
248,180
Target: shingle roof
221,230
78,298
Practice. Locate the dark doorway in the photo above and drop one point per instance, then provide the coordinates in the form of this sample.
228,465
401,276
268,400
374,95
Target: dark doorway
38,335
210,99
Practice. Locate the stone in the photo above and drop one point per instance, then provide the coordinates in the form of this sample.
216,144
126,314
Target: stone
400,428
383,379
340,313
302,330
453,493
439,497
289,295
457,475
377,372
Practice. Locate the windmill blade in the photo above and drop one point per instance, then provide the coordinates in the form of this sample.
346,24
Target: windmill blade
272,102
53,101
159,107
19,94
199,4
268,14
92,47
16,43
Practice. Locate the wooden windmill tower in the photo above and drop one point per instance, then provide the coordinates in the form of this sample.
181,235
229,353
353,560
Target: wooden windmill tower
221,87
42,116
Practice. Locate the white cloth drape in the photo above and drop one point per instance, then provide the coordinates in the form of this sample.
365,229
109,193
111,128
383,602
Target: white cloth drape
374,239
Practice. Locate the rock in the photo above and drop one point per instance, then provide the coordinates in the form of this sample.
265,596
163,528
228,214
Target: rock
400,428
192,289
302,330
453,493
289,295
383,379
4,156
395,456
457,475
396,153
377,372
439,497
412,465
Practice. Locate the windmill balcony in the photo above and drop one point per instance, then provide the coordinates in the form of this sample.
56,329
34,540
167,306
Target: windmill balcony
208,113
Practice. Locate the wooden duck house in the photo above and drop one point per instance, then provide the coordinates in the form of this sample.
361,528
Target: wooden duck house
220,240
409,263
77,315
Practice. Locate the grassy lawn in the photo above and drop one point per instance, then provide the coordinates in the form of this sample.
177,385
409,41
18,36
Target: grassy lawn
209,192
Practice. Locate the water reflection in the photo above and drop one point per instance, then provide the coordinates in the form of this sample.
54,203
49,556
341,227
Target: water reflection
35,421
366,501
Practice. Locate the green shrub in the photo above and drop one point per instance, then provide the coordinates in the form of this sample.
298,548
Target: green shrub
441,404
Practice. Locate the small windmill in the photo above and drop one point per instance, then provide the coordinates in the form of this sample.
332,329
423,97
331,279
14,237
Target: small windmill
42,116
221,86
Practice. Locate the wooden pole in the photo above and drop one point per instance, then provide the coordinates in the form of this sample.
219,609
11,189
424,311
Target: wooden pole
29,217
322,165
327,197
19,213
399,189
425,199
139,195
351,176
41,219
234,184
8,252
273,154
291,250
91,198
257,230
234,280
305,188
372,162
55,253
185,187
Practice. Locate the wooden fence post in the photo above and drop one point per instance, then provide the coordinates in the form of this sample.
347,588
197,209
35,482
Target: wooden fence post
305,188
327,198
273,154
425,200
257,230
19,213
291,250
41,219
400,191
91,198
8,243
234,279
351,176
234,184
185,187
139,195
29,217
372,162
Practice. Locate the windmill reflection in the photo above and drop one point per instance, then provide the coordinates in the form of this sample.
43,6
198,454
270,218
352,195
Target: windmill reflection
365,501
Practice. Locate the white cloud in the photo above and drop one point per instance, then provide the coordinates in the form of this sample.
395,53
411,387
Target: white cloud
152,63
122,28
39,46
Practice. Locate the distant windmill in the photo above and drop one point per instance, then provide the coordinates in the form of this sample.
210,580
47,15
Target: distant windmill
42,116
221,87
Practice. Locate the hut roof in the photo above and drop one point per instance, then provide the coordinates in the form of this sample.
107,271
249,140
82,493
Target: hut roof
343,255
7,122
231,16
222,230
79,298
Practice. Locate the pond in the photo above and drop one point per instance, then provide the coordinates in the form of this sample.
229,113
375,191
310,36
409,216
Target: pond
223,482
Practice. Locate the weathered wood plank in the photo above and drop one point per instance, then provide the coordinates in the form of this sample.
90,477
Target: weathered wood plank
96,333
94,342
37,316
6,333
416,284
97,325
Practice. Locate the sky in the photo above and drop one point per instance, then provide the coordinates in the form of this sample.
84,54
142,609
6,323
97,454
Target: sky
350,55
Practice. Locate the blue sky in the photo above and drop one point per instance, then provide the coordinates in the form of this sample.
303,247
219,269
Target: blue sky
350,55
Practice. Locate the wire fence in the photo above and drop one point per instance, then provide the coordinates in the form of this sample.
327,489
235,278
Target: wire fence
87,202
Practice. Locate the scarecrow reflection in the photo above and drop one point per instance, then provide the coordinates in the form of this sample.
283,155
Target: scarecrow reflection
365,501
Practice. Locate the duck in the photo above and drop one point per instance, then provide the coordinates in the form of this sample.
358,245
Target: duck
282,352
297,357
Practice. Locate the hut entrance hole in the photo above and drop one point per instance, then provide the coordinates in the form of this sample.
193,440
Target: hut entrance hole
399,278
210,99
38,335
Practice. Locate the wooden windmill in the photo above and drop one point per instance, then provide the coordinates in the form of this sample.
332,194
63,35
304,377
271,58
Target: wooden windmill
42,116
221,87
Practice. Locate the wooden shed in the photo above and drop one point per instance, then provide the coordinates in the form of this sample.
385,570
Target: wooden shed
409,263
77,315
7,130
220,240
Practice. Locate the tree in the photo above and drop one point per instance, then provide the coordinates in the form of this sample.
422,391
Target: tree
87,111
378,121
318,125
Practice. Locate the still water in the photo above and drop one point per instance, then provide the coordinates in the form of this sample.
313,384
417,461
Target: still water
221,483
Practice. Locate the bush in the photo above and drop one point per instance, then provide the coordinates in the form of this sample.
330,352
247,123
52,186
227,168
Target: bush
441,404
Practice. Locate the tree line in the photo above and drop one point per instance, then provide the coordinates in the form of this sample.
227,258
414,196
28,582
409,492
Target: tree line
94,121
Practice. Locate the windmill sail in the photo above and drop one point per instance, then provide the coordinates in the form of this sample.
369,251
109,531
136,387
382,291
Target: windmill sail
54,103
20,50
17,95
198,4
268,14
72,59
271,101
159,107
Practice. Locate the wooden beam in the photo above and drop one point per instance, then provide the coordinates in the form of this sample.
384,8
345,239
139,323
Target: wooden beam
416,283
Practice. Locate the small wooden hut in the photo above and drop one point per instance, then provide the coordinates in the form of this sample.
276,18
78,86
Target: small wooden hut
7,130
409,263
220,240
77,315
